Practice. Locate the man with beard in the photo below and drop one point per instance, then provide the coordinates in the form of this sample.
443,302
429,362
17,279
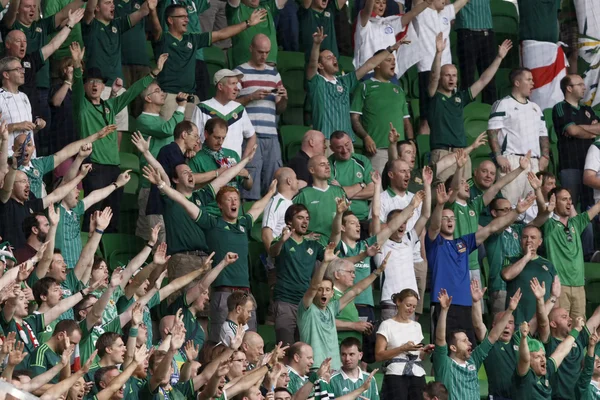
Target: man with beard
454,362
240,306
36,226
112,383
351,377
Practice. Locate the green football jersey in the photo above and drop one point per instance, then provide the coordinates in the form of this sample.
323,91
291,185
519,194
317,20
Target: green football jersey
566,379
362,268
533,387
498,248
467,221
350,172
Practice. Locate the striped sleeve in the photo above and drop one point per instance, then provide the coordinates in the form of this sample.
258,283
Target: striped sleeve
497,116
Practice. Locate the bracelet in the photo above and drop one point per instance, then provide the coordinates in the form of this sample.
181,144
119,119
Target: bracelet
152,75
68,82
216,173
115,184
162,185
377,273
133,332
269,367
150,245
575,333
247,23
546,157
100,231
313,377
81,293
552,299
70,27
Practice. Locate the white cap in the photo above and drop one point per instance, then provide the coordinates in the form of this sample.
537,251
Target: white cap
226,73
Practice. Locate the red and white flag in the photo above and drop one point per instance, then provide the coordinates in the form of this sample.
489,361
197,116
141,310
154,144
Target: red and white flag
548,65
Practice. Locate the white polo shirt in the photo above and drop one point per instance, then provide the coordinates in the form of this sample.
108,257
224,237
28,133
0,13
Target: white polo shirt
429,24
400,271
377,34
15,108
233,113
592,162
390,201
521,126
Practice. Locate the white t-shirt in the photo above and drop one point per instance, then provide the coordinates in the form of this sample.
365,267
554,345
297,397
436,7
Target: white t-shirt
274,215
429,24
15,108
400,271
592,162
398,334
521,126
240,127
377,34
390,201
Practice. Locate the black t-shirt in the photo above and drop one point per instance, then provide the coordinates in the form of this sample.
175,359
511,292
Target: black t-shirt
572,150
299,163
169,157
12,215
32,63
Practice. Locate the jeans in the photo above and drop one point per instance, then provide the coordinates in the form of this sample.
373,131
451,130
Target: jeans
288,27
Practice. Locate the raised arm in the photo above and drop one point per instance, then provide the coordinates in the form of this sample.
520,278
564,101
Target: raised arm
459,4
73,19
436,67
259,206
100,194
476,310
499,223
156,30
356,393
489,73
440,330
155,178
194,292
592,212
46,251
524,356
501,324
258,16
144,10
426,208
118,382
543,324
342,206
317,277
83,267
313,61
359,287
90,11
137,314
375,224
58,390
400,219
59,193
95,314
9,181
11,15
491,193
286,233
137,261
513,270
377,59
435,224
365,13
73,148
66,304
566,345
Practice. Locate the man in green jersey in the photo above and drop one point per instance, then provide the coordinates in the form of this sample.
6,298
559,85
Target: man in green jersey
181,45
504,245
351,377
454,362
588,384
150,124
66,334
320,198
467,210
239,11
214,157
376,104
483,178
111,382
314,14
552,331
230,232
302,382
536,373
562,240
318,310
446,107
295,256
520,271
329,94
187,241
352,172
91,114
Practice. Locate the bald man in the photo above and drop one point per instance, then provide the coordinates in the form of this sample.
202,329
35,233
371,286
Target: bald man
483,178
264,97
446,106
253,347
313,144
320,198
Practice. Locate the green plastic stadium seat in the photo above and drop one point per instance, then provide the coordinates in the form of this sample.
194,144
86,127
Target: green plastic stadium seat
290,65
503,87
293,115
415,112
291,136
214,57
129,161
505,19
423,149
476,116
116,247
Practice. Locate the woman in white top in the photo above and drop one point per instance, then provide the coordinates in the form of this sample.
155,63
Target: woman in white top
399,346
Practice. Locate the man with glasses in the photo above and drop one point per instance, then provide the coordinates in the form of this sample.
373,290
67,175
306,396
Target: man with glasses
562,237
150,124
181,45
503,245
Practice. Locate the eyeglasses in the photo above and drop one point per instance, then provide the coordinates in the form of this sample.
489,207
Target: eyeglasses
569,236
179,16
20,69
242,360
159,90
449,219
350,271
95,81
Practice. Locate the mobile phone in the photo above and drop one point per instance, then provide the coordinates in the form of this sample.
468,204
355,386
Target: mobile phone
23,147
274,90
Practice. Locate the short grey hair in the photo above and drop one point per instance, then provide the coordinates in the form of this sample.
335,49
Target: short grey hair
5,63
146,91
335,266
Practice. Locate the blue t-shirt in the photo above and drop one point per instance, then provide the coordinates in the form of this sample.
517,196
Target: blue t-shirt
170,156
449,263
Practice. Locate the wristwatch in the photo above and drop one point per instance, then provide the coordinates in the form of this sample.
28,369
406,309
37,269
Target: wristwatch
362,185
